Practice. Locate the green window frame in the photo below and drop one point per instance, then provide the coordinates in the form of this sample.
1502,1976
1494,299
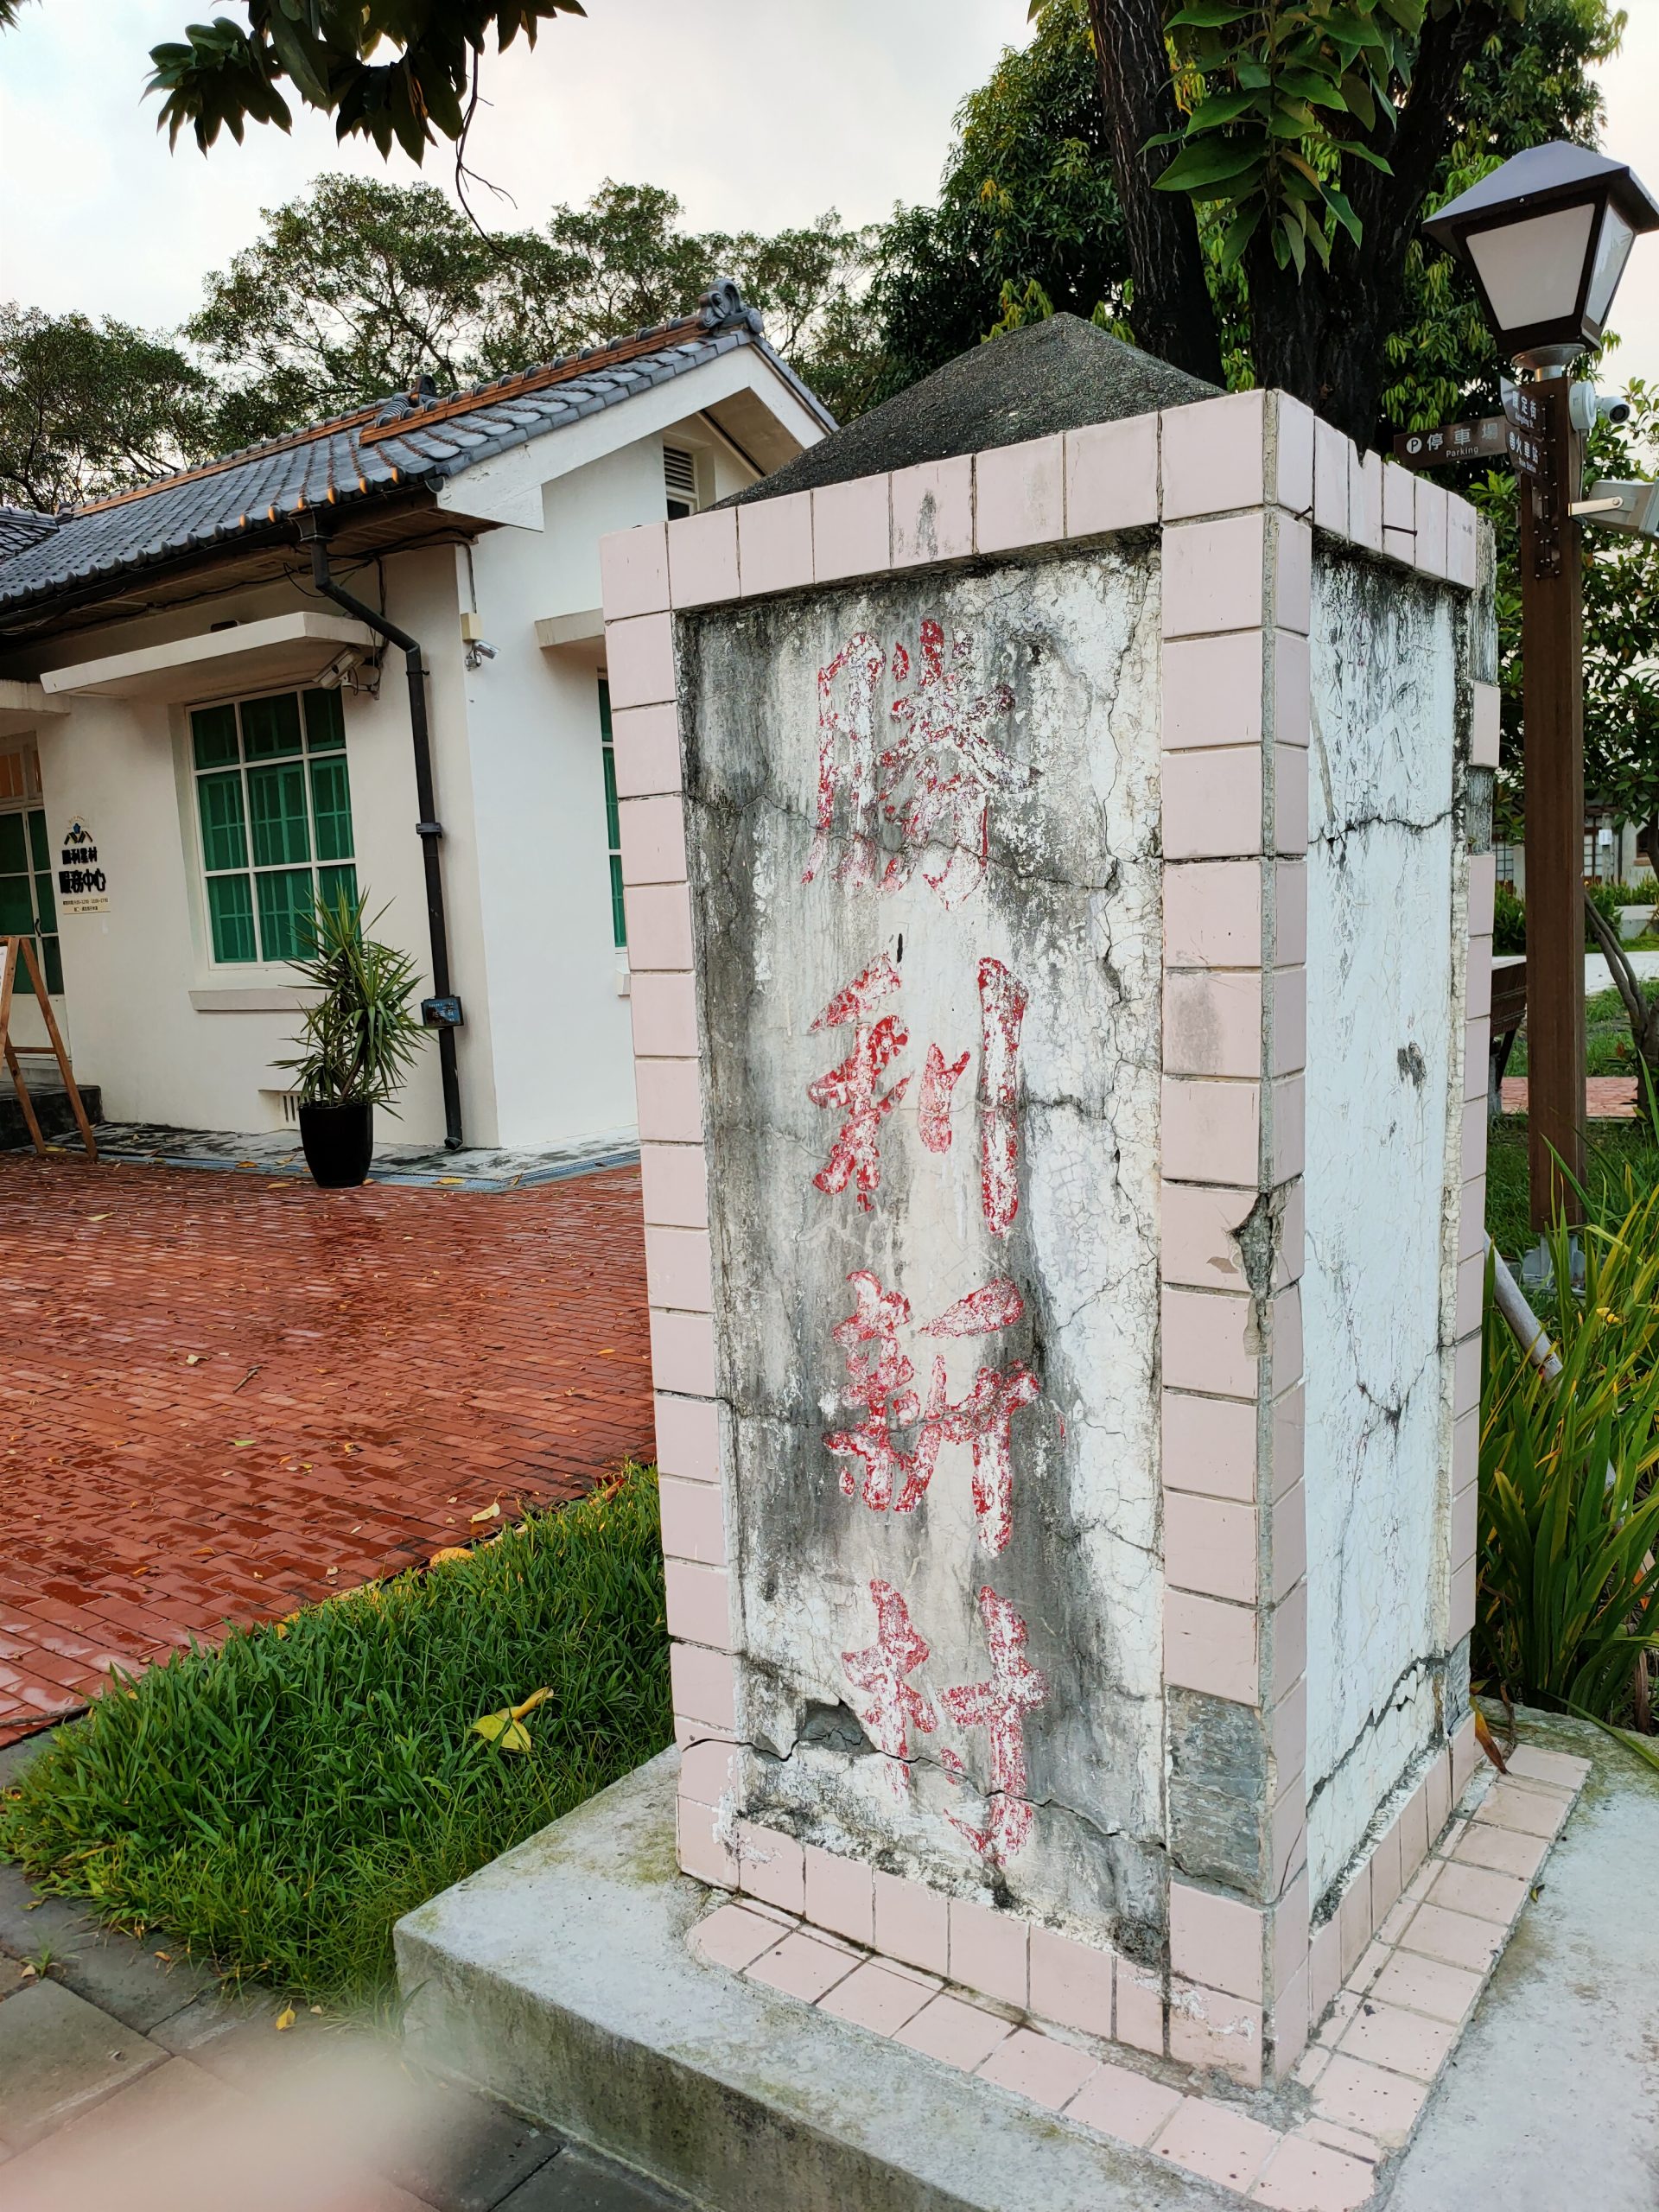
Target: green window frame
27,906
273,814
612,818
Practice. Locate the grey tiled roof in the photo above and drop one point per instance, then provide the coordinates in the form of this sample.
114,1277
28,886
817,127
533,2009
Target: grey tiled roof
22,526
357,455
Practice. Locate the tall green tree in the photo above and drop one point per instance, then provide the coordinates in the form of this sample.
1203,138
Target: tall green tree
1029,219
89,408
1312,132
1026,222
359,285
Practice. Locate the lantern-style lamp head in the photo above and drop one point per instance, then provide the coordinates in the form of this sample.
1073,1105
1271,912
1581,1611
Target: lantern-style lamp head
1546,237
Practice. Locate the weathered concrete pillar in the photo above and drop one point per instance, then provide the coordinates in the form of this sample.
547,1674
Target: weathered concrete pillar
1050,909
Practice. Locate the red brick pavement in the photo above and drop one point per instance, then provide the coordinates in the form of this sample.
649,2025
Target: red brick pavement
222,1397
1606,1098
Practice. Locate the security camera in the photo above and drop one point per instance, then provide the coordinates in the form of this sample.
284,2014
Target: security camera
339,669
1630,509
1586,408
478,651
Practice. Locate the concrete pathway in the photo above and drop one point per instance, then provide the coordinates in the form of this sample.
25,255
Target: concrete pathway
128,2080
1598,977
476,1167
1551,2102
223,1396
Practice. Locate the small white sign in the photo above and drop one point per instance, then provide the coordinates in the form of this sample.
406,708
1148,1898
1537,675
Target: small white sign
83,888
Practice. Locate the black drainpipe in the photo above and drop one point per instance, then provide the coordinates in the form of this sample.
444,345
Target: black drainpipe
441,1011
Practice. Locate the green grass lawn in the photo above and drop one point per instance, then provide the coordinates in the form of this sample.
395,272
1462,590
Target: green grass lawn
277,1803
1613,1148
1607,1035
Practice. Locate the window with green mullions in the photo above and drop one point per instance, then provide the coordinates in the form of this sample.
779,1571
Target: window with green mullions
613,817
274,801
26,906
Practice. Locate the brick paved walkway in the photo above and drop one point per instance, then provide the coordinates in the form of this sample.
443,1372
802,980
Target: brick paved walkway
221,1397
1606,1098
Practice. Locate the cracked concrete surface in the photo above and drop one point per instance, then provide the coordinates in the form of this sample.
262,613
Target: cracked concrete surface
1068,903
1385,987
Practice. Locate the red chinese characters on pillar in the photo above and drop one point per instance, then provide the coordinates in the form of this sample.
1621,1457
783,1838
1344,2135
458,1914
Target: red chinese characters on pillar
943,749
925,796
933,1114
879,1379
999,1707
890,1707
847,760
912,757
854,1088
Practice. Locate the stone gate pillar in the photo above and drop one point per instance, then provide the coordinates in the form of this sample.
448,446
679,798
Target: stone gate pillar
1059,975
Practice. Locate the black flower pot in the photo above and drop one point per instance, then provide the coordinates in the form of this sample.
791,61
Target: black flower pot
339,1143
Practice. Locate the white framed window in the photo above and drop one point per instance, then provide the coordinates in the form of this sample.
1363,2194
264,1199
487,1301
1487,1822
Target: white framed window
680,481
273,809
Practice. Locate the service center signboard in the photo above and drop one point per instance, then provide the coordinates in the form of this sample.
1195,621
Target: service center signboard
83,887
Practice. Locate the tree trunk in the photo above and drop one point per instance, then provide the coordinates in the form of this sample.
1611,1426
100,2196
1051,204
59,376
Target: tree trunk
1320,337
1171,314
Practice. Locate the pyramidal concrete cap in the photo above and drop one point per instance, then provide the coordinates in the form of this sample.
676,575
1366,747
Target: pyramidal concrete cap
1059,374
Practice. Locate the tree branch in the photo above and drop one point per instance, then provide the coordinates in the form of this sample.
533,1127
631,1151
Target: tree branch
1172,312
1390,205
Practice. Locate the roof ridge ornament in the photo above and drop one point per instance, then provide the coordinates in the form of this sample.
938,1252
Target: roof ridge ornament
723,307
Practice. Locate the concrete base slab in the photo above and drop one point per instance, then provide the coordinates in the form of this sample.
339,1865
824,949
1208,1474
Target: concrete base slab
559,1978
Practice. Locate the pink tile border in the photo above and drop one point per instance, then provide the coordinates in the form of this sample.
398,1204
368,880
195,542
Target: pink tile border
1382,2037
1239,484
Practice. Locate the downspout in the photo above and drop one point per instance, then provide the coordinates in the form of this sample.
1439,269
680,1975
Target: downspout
441,1011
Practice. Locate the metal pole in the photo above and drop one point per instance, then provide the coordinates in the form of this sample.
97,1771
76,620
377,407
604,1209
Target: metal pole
428,828
1551,650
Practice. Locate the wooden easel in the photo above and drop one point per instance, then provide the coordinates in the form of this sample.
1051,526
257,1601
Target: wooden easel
12,950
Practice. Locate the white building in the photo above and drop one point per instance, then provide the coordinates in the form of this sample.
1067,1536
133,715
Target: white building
195,740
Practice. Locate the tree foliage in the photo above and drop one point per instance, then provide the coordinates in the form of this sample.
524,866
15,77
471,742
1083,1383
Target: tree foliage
396,71
1621,635
1029,219
1026,222
359,285
87,408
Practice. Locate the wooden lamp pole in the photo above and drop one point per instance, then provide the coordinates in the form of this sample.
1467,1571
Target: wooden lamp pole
1545,237
1552,653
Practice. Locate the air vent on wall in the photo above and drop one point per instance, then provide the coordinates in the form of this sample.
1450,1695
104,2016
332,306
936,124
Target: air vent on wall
680,475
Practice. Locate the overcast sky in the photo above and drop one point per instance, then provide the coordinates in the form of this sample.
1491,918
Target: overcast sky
758,114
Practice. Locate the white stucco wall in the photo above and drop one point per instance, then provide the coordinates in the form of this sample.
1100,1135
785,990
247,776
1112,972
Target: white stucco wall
1384,1015
563,1044
128,974
546,1056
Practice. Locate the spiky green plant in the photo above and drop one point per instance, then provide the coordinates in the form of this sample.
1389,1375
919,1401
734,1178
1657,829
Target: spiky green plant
1569,1510
359,1038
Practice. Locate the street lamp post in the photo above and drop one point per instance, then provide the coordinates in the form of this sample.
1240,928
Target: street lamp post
1546,237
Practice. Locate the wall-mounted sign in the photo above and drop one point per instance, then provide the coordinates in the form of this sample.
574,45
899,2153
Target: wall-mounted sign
83,888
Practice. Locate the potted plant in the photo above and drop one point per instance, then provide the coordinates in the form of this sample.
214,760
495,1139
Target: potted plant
359,1043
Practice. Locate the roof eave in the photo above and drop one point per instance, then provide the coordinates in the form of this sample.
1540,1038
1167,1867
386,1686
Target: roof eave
30,613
